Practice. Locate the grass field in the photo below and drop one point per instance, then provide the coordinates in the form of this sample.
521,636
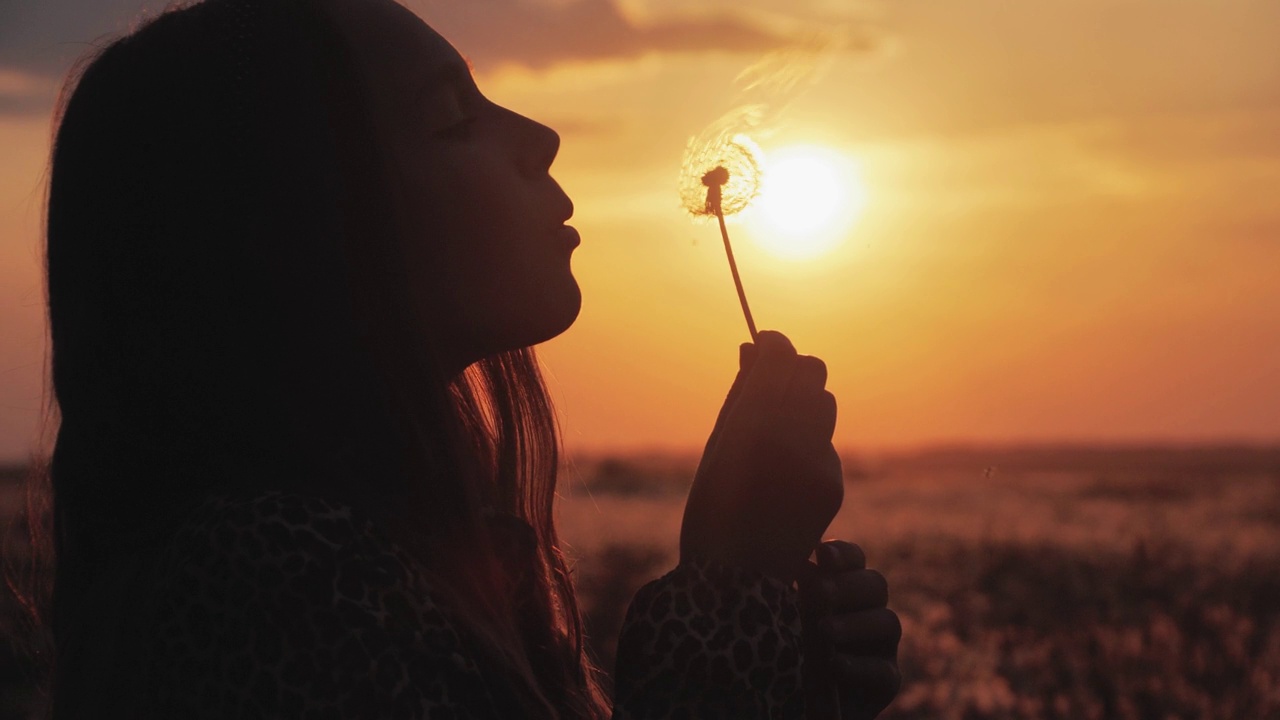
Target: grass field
1077,584
1032,583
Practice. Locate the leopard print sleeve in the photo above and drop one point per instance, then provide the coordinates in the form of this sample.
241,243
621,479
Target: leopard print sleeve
709,640
285,606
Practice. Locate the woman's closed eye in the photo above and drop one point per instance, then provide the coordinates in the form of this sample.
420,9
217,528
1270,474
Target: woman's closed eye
448,113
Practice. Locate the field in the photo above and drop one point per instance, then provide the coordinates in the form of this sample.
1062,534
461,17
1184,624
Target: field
1074,583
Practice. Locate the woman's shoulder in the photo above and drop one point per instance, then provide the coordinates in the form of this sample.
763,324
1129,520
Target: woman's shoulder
286,541
272,520
300,597
278,514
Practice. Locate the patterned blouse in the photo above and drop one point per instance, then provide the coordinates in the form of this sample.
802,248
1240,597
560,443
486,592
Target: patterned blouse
291,606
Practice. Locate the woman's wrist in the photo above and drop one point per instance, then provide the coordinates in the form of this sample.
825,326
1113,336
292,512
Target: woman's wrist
707,558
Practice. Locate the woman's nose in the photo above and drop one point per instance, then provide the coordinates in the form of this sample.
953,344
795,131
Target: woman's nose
543,144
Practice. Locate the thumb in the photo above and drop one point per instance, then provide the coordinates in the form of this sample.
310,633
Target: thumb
746,360
746,357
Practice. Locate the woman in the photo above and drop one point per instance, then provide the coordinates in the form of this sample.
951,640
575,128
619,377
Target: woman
306,463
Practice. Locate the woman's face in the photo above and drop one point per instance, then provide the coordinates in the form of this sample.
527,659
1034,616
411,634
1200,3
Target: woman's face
481,220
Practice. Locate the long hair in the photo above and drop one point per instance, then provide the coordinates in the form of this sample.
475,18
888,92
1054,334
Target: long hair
228,313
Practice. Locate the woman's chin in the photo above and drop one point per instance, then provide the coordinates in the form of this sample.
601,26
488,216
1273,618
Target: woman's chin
562,313
543,319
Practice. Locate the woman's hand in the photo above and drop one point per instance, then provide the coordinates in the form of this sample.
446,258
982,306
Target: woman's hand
850,636
770,481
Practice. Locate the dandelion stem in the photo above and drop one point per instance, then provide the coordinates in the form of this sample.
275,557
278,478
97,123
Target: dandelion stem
713,180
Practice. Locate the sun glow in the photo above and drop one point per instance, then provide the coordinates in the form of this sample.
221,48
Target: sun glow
809,199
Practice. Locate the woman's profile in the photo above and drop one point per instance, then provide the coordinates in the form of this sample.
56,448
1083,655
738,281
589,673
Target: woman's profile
305,463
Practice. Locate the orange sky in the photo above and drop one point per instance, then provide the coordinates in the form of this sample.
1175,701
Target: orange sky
1072,228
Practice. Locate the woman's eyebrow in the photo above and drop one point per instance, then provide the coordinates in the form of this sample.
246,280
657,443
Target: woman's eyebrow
450,72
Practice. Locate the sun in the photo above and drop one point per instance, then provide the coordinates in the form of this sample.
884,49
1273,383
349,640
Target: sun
810,197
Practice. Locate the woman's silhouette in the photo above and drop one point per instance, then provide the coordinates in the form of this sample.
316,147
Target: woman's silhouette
305,464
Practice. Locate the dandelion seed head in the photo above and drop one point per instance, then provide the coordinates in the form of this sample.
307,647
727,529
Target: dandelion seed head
734,153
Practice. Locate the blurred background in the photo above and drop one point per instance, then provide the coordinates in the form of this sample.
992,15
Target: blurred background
1037,244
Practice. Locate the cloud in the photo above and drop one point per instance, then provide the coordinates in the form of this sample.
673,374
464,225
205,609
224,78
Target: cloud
43,39
538,35
39,42
23,93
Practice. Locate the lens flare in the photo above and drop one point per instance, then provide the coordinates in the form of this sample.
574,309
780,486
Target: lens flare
810,199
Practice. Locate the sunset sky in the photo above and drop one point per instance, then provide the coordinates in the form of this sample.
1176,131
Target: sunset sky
1070,229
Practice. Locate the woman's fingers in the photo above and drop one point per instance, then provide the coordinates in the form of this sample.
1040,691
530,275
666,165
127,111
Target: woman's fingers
766,383
778,380
867,684
809,407
836,555
809,377
855,590
824,415
847,607
746,359
869,632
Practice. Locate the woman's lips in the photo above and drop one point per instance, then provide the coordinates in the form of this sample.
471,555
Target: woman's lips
570,236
